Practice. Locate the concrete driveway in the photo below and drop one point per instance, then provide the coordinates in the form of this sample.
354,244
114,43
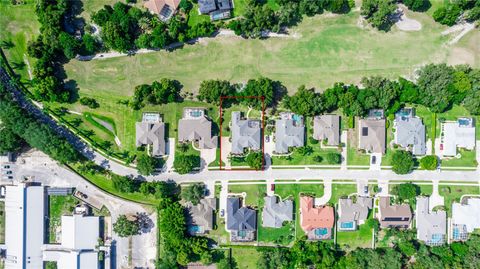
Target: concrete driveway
327,193
208,156
226,148
171,154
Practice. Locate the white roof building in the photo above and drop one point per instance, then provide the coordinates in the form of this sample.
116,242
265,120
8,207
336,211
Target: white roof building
24,226
78,245
467,215
460,133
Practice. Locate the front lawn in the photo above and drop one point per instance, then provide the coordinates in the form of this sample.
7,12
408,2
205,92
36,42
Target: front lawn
356,157
298,159
468,159
255,193
341,190
454,193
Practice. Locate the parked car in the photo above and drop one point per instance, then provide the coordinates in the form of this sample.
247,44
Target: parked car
374,159
7,172
272,187
7,177
222,213
365,189
6,166
267,138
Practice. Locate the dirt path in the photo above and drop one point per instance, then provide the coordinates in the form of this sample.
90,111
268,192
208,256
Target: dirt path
464,28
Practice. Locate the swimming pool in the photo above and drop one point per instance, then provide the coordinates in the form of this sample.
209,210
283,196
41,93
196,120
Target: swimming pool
346,225
321,231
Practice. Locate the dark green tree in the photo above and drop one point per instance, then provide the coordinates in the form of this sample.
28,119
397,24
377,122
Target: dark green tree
146,165
429,162
125,227
194,193
402,162
255,160
184,164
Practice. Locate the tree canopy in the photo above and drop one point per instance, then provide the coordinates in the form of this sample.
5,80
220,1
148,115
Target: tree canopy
194,193
255,160
402,162
146,165
184,164
429,162
125,227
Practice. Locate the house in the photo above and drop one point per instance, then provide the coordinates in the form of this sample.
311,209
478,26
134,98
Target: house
246,134
201,216
24,226
410,131
218,9
151,131
431,226
465,218
195,127
241,221
289,132
78,247
327,128
393,216
163,8
372,134
352,214
316,221
457,134
276,212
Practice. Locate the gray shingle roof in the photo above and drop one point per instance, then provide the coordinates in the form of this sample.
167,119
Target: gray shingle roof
394,215
288,133
275,212
430,225
151,133
202,213
206,6
358,211
199,129
240,218
372,135
246,133
327,127
409,130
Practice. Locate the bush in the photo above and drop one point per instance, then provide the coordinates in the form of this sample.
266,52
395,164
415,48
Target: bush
184,164
429,162
318,158
402,162
255,160
146,165
334,158
90,102
124,227
312,140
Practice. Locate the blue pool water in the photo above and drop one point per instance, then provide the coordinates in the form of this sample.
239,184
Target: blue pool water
194,229
456,233
463,122
321,231
346,225
196,113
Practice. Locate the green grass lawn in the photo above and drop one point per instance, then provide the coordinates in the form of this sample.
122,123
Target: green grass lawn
293,191
246,257
326,45
18,24
468,159
361,238
2,222
355,157
340,190
195,18
454,193
102,182
255,193
283,236
58,206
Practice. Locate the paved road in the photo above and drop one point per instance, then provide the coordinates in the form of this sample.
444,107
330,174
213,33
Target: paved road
205,175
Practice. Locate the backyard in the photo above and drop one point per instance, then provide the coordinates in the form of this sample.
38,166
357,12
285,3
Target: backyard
361,238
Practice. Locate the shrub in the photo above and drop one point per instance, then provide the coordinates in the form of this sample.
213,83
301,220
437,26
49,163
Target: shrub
334,158
90,102
429,162
402,162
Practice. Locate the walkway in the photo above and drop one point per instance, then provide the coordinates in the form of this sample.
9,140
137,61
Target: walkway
344,140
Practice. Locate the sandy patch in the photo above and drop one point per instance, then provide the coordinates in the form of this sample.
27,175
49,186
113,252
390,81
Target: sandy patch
461,56
407,24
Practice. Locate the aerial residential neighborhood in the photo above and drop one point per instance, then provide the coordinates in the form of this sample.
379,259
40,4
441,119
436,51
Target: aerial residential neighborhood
239,134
